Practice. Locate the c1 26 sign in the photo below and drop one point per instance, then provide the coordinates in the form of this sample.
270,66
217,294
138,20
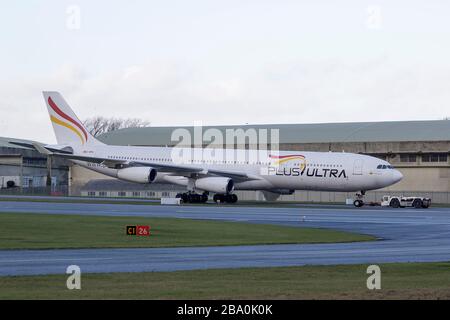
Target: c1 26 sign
138,230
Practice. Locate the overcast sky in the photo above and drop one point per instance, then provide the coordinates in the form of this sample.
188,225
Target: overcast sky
224,62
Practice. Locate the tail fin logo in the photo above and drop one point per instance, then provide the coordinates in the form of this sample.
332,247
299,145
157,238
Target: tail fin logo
78,130
279,160
283,159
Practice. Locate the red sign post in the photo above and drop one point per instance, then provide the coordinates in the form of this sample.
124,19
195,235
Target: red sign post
143,230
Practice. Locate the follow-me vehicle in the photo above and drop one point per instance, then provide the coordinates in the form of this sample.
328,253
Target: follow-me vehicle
277,173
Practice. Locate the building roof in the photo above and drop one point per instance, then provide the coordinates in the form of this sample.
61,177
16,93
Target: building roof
389,131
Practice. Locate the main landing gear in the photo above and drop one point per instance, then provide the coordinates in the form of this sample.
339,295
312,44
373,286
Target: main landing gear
190,197
187,197
359,201
229,198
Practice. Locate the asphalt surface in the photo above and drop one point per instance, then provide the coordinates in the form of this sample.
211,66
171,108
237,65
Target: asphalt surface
406,235
69,199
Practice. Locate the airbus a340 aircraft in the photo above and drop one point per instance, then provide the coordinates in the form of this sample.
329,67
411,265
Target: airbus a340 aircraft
276,174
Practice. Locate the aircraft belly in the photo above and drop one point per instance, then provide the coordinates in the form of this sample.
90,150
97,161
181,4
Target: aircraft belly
253,185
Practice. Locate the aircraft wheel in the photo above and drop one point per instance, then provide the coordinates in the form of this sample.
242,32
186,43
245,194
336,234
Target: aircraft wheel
218,198
184,197
358,203
233,198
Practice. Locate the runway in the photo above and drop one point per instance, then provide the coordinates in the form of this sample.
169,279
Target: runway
406,235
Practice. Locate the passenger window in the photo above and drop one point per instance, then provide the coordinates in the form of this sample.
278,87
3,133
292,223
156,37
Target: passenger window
379,166
384,166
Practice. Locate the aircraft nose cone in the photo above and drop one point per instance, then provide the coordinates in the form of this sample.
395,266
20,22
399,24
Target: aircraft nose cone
396,176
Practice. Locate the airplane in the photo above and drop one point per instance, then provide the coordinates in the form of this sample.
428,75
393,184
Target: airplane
274,174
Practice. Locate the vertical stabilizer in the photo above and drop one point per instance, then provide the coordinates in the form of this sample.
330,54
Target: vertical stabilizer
66,125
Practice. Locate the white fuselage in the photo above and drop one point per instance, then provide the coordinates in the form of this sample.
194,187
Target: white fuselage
327,171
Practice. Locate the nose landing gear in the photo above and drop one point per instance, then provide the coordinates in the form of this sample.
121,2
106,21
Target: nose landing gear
359,201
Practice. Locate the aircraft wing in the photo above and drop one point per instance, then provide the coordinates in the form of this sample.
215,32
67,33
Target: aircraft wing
170,168
113,163
236,175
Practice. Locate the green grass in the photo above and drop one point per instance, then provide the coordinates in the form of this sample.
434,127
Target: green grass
48,231
398,281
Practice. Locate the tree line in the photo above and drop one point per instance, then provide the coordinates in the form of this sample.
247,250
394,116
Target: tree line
99,125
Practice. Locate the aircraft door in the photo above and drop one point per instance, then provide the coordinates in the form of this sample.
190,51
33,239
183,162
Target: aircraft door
357,167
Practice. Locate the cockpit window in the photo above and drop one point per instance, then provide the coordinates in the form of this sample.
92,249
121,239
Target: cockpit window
383,166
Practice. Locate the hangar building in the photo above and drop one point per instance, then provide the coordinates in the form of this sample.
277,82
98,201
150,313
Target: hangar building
25,171
419,149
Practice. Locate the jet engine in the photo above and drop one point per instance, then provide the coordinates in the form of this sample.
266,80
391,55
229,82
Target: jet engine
137,174
215,184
